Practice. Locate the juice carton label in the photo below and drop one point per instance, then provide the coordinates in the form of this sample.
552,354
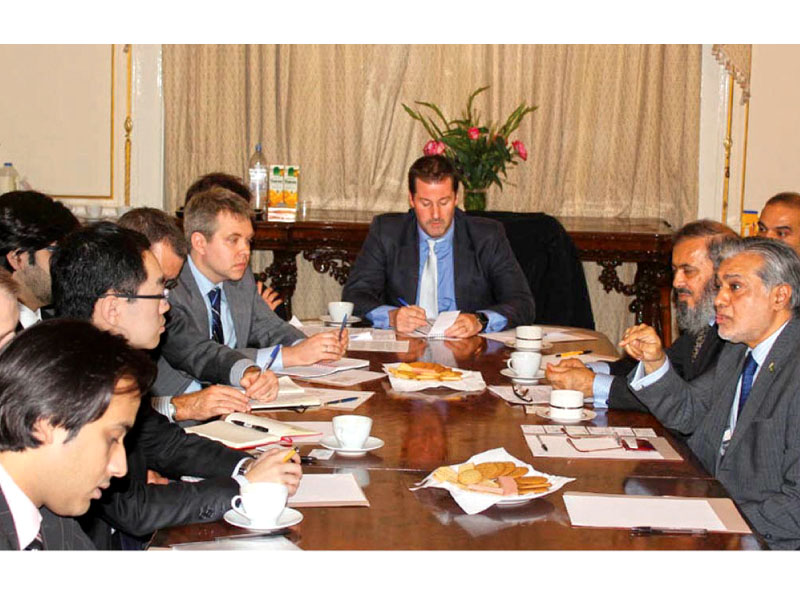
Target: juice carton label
290,176
276,185
749,223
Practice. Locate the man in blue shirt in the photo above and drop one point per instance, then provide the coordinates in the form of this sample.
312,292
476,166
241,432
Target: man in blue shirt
435,258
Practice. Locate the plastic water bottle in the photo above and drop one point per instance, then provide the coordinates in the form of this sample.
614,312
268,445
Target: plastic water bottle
8,178
257,179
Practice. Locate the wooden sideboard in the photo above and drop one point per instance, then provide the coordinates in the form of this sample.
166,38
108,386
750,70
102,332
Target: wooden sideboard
331,240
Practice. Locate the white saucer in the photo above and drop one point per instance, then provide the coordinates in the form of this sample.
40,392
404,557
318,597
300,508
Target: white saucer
513,376
545,346
288,518
330,442
350,320
544,411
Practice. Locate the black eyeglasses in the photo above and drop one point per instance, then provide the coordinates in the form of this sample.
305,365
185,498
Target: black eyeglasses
162,296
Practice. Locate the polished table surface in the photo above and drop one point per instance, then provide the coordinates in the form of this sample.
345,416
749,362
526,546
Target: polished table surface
424,431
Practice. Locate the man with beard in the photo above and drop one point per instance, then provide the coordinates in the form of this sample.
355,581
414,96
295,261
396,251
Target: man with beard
693,353
31,225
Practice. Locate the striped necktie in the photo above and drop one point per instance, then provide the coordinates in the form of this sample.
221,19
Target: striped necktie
215,297
36,543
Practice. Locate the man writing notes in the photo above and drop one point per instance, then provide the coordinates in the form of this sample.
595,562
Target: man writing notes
107,274
743,417
697,348
68,396
435,258
219,325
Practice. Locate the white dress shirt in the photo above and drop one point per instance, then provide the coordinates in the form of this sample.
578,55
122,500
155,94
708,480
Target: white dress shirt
27,518
28,317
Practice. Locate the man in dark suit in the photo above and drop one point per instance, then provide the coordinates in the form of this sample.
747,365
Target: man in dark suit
69,394
219,325
696,349
780,219
31,226
435,258
107,274
743,417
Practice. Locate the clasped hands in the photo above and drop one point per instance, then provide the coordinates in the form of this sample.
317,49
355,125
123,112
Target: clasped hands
641,342
409,318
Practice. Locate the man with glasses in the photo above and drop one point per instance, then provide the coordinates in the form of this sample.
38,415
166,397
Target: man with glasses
31,225
170,250
106,274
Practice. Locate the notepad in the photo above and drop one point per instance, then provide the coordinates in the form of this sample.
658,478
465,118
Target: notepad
435,329
322,369
290,395
661,512
336,489
239,437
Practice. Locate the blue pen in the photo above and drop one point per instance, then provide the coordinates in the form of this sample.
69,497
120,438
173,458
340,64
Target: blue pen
402,302
341,329
273,356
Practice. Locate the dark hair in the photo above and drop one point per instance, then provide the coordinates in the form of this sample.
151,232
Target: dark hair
703,228
93,260
30,221
432,169
200,213
66,372
790,198
157,226
223,180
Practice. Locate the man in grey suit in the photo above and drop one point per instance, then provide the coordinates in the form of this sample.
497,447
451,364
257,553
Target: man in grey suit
69,394
219,326
744,416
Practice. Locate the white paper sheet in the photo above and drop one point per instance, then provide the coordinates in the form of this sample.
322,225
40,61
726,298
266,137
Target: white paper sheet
558,447
597,510
322,369
336,489
329,398
442,323
347,378
378,346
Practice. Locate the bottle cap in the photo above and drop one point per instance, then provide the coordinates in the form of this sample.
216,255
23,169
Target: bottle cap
258,147
7,165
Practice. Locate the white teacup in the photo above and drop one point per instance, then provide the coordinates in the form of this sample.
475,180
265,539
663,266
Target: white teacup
337,310
528,337
566,404
261,502
351,431
525,364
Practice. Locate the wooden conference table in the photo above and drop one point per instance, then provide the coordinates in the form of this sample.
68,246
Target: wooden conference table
424,431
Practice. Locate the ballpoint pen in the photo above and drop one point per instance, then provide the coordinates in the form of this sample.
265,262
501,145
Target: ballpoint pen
251,426
573,353
402,302
341,329
342,400
273,356
666,531
542,444
289,455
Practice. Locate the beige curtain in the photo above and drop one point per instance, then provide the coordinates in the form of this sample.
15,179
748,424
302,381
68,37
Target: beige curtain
615,134
736,58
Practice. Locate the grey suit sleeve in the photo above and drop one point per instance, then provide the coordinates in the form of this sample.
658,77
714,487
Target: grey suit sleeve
188,349
366,286
677,404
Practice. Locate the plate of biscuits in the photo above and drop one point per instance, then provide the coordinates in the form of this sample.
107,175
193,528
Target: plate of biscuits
493,478
415,376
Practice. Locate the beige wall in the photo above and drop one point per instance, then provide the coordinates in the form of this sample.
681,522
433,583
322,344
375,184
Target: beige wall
773,153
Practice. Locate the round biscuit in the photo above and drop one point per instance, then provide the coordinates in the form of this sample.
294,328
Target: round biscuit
470,476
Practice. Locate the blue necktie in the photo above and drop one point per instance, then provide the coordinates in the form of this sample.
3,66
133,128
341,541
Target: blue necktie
215,297
750,366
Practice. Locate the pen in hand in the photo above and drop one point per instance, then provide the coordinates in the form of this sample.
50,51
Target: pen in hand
402,302
573,353
289,455
341,329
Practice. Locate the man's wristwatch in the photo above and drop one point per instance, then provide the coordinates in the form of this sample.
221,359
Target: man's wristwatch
482,319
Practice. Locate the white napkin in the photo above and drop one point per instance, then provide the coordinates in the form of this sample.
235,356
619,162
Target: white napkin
471,381
475,502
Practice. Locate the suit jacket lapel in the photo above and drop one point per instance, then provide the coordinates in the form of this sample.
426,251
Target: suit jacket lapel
407,262
241,309
463,258
730,361
705,355
7,527
783,350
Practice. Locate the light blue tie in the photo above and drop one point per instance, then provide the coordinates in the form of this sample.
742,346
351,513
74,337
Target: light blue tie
428,284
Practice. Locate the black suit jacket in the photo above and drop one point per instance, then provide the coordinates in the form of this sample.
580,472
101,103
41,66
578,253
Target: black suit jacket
487,276
137,508
58,533
620,397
